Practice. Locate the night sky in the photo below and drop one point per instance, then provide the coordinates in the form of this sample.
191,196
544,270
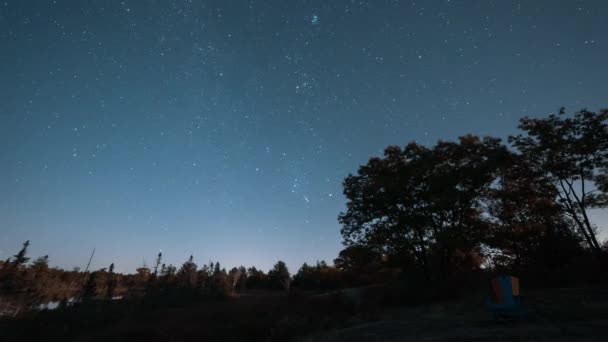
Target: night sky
224,129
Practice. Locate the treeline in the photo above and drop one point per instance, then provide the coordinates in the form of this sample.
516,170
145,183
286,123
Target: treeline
478,204
209,280
26,283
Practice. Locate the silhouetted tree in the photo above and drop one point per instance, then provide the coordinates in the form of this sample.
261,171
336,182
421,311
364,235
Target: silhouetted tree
358,258
279,276
187,273
158,261
168,271
220,284
423,202
20,259
318,277
110,282
529,226
12,276
572,152
256,278
242,281
152,283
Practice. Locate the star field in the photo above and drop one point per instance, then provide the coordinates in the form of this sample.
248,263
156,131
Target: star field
224,129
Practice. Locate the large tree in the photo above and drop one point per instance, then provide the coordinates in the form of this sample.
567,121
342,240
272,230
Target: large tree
426,202
528,226
572,155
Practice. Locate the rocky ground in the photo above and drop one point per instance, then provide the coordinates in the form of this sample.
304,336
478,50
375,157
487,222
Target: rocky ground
554,315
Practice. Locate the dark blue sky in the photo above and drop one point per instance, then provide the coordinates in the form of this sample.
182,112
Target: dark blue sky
224,129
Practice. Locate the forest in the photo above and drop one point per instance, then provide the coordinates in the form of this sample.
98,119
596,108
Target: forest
422,225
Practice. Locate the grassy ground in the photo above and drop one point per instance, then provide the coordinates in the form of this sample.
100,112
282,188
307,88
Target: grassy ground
555,315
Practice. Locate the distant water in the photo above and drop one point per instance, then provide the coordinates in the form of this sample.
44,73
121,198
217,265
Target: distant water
55,304
8,309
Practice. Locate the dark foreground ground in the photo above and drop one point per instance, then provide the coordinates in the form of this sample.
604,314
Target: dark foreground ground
555,315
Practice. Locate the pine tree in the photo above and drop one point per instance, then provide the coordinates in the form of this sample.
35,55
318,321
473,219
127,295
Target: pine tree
279,276
20,258
111,282
154,276
11,279
158,260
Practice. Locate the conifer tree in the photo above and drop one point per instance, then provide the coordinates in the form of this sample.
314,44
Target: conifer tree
158,261
11,279
110,282
20,258
279,276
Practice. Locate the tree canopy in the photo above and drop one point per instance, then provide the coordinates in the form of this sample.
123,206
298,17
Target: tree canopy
443,206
